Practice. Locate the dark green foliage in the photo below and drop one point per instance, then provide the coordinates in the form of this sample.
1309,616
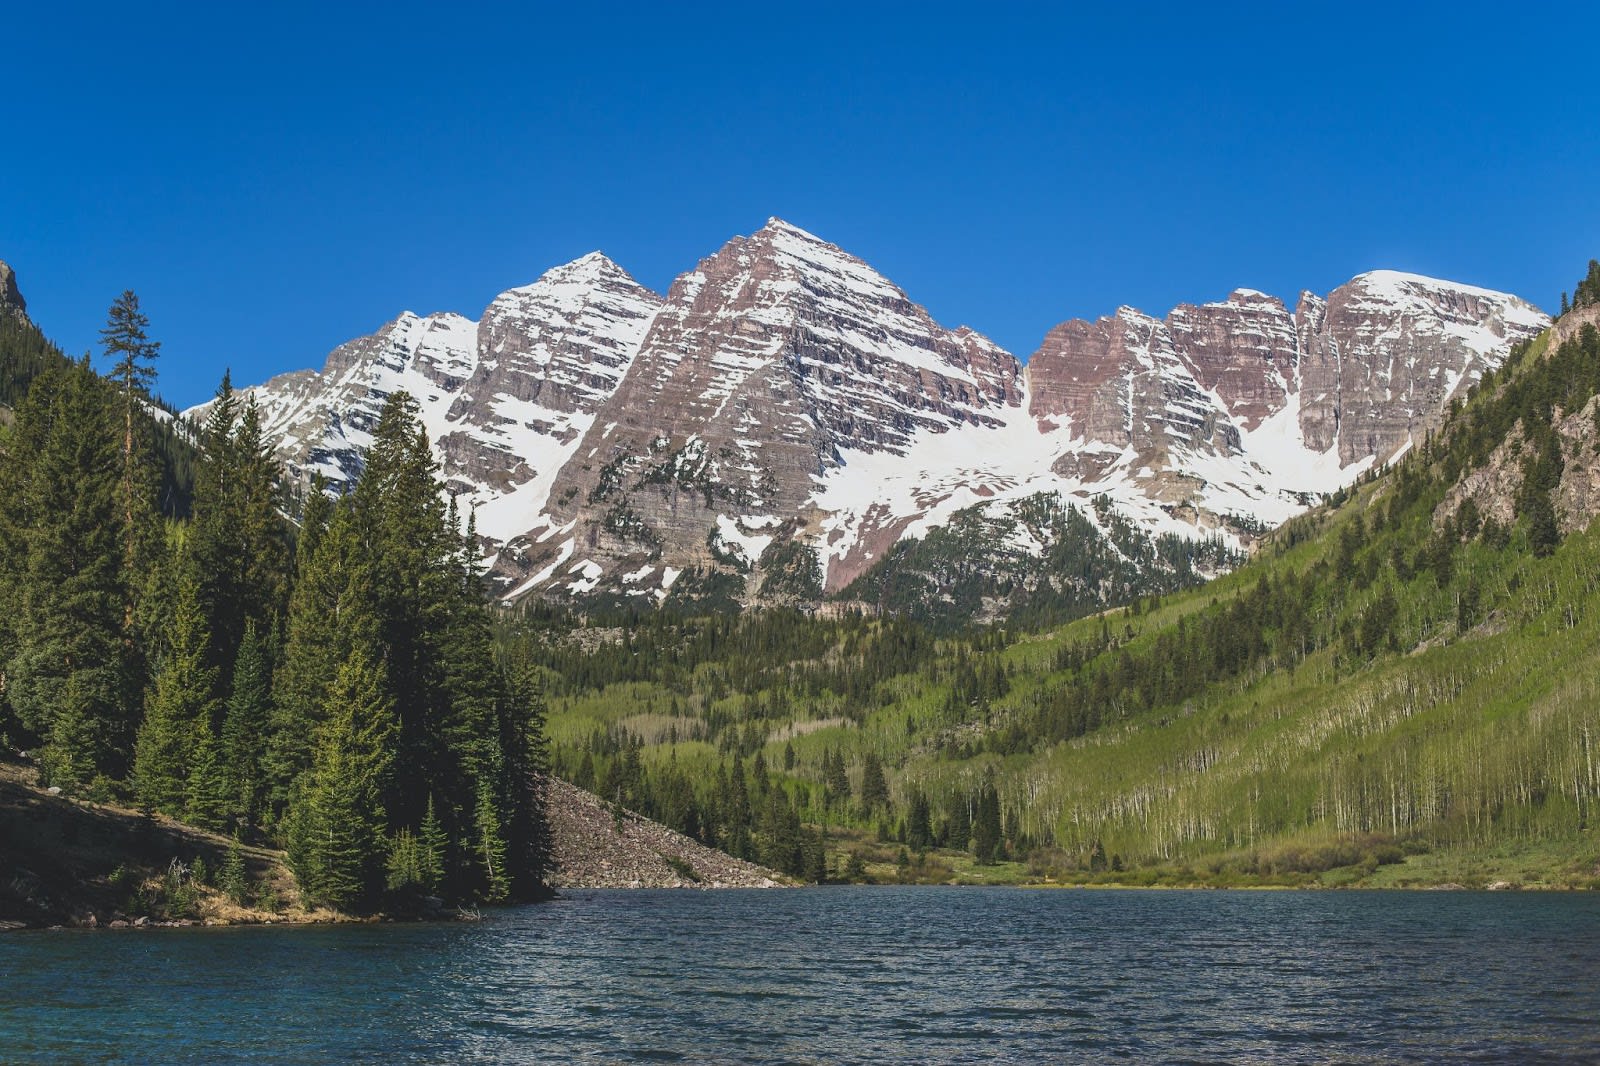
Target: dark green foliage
129,349
987,844
61,579
132,355
179,711
25,354
919,826
245,729
954,575
389,580
231,878
209,802
1588,291
790,573
390,751
238,541
338,845
874,789
325,622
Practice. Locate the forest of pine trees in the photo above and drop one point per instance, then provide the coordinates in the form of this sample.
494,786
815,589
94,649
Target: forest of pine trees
176,642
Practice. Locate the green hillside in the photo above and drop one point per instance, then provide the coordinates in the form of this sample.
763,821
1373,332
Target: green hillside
1400,687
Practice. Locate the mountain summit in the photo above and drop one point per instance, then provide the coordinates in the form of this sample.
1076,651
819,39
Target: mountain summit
786,414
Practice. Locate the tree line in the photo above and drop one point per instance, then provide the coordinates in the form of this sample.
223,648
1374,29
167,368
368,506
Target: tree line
328,686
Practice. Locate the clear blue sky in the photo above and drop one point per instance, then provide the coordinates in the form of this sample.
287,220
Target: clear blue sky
273,180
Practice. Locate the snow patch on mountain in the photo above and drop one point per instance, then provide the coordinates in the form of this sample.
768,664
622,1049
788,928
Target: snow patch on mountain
609,439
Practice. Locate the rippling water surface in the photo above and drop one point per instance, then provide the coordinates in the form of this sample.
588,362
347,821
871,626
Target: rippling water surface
833,975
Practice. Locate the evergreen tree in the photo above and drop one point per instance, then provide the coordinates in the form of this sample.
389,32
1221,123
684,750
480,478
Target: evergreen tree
239,539
340,842
132,355
431,846
208,799
244,728
490,844
66,664
919,829
403,869
986,840
179,710
836,784
874,789
526,784
330,616
231,877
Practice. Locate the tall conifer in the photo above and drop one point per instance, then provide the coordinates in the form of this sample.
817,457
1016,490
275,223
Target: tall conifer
66,669
180,708
245,728
340,845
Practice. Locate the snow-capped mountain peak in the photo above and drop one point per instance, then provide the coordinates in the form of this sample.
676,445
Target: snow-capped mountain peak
786,414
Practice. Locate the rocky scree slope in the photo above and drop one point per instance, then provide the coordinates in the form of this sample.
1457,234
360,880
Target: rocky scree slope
785,415
597,846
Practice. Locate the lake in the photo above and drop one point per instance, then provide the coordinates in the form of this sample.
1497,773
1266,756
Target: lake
839,975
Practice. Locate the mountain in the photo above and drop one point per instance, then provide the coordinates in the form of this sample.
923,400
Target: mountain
1396,689
785,416
504,399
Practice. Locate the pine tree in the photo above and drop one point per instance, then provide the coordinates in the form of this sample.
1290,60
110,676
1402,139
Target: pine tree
66,668
340,842
432,846
330,616
874,789
231,877
986,840
403,869
490,845
132,354
527,776
208,799
919,830
181,706
239,538
244,728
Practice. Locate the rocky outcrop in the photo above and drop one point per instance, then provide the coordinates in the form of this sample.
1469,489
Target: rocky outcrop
1495,486
1121,382
1390,350
1371,368
1244,349
598,846
10,296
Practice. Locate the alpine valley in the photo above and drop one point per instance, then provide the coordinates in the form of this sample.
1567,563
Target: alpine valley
787,427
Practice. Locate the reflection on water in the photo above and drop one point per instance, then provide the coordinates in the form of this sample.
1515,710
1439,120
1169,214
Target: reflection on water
831,975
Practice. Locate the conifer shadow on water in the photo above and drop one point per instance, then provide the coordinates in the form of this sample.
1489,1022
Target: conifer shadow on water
840,975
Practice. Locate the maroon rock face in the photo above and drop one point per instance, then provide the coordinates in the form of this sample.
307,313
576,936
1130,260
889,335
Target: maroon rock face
1121,382
1243,349
1390,350
768,359
1372,367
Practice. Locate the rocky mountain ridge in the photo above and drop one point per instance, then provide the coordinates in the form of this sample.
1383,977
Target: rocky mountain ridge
785,415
